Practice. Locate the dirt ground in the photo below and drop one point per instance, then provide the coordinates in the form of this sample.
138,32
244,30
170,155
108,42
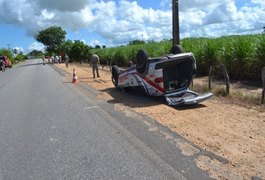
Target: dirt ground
231,130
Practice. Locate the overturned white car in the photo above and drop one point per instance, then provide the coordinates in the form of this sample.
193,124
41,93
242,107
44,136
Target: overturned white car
169,76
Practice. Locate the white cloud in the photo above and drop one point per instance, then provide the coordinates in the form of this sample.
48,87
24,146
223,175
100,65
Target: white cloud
95,42
36,46
19,49
122,21
127,21
259,2
217,18
165,4
59,5
222,13
47,15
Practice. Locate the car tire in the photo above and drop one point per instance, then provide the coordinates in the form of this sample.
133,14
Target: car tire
115,75
142,62
176,49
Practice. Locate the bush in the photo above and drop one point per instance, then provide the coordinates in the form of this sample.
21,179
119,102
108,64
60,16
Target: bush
20,57
120,58
7,53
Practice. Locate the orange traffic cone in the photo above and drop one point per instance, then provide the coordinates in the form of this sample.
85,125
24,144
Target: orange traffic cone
75,78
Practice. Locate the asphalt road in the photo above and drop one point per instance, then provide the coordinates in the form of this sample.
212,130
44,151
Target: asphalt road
53,129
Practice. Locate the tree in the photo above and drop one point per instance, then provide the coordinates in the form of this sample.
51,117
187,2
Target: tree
51,37
79,51
97,47
15,51
20,57
136,42
7,53
35,53
67,46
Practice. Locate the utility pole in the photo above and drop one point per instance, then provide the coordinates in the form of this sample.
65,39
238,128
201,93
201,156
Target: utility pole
175,22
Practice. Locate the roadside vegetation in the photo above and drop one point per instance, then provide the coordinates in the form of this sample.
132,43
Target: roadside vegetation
242,56
12,56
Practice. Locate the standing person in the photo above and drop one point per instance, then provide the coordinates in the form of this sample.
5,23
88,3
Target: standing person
60,59
52,59
66,58
43,59
94,63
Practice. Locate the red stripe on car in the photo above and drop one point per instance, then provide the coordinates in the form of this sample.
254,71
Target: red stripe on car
154,85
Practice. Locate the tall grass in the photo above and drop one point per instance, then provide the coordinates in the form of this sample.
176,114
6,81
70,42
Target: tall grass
242,55
122,55
260,51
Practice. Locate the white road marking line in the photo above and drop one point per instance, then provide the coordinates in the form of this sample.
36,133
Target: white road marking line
91,107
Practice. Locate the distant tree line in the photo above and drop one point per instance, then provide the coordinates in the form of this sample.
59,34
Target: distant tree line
54,40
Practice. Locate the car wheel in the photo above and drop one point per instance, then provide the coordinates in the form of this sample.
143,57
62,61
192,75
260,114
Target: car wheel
115,75
176,49
142,62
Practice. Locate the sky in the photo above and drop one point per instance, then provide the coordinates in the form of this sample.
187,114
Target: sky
114,23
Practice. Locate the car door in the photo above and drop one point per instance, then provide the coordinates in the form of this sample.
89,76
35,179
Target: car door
178,72
186,97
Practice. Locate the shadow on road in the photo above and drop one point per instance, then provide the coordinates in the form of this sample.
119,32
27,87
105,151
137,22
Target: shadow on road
135,99
32,64
132,98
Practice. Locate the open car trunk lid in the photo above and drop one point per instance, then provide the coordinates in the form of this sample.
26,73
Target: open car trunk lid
186,97
178,73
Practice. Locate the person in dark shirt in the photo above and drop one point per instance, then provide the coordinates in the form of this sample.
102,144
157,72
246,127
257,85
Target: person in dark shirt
94,64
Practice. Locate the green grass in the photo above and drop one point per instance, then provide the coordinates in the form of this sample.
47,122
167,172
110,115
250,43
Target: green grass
242,55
